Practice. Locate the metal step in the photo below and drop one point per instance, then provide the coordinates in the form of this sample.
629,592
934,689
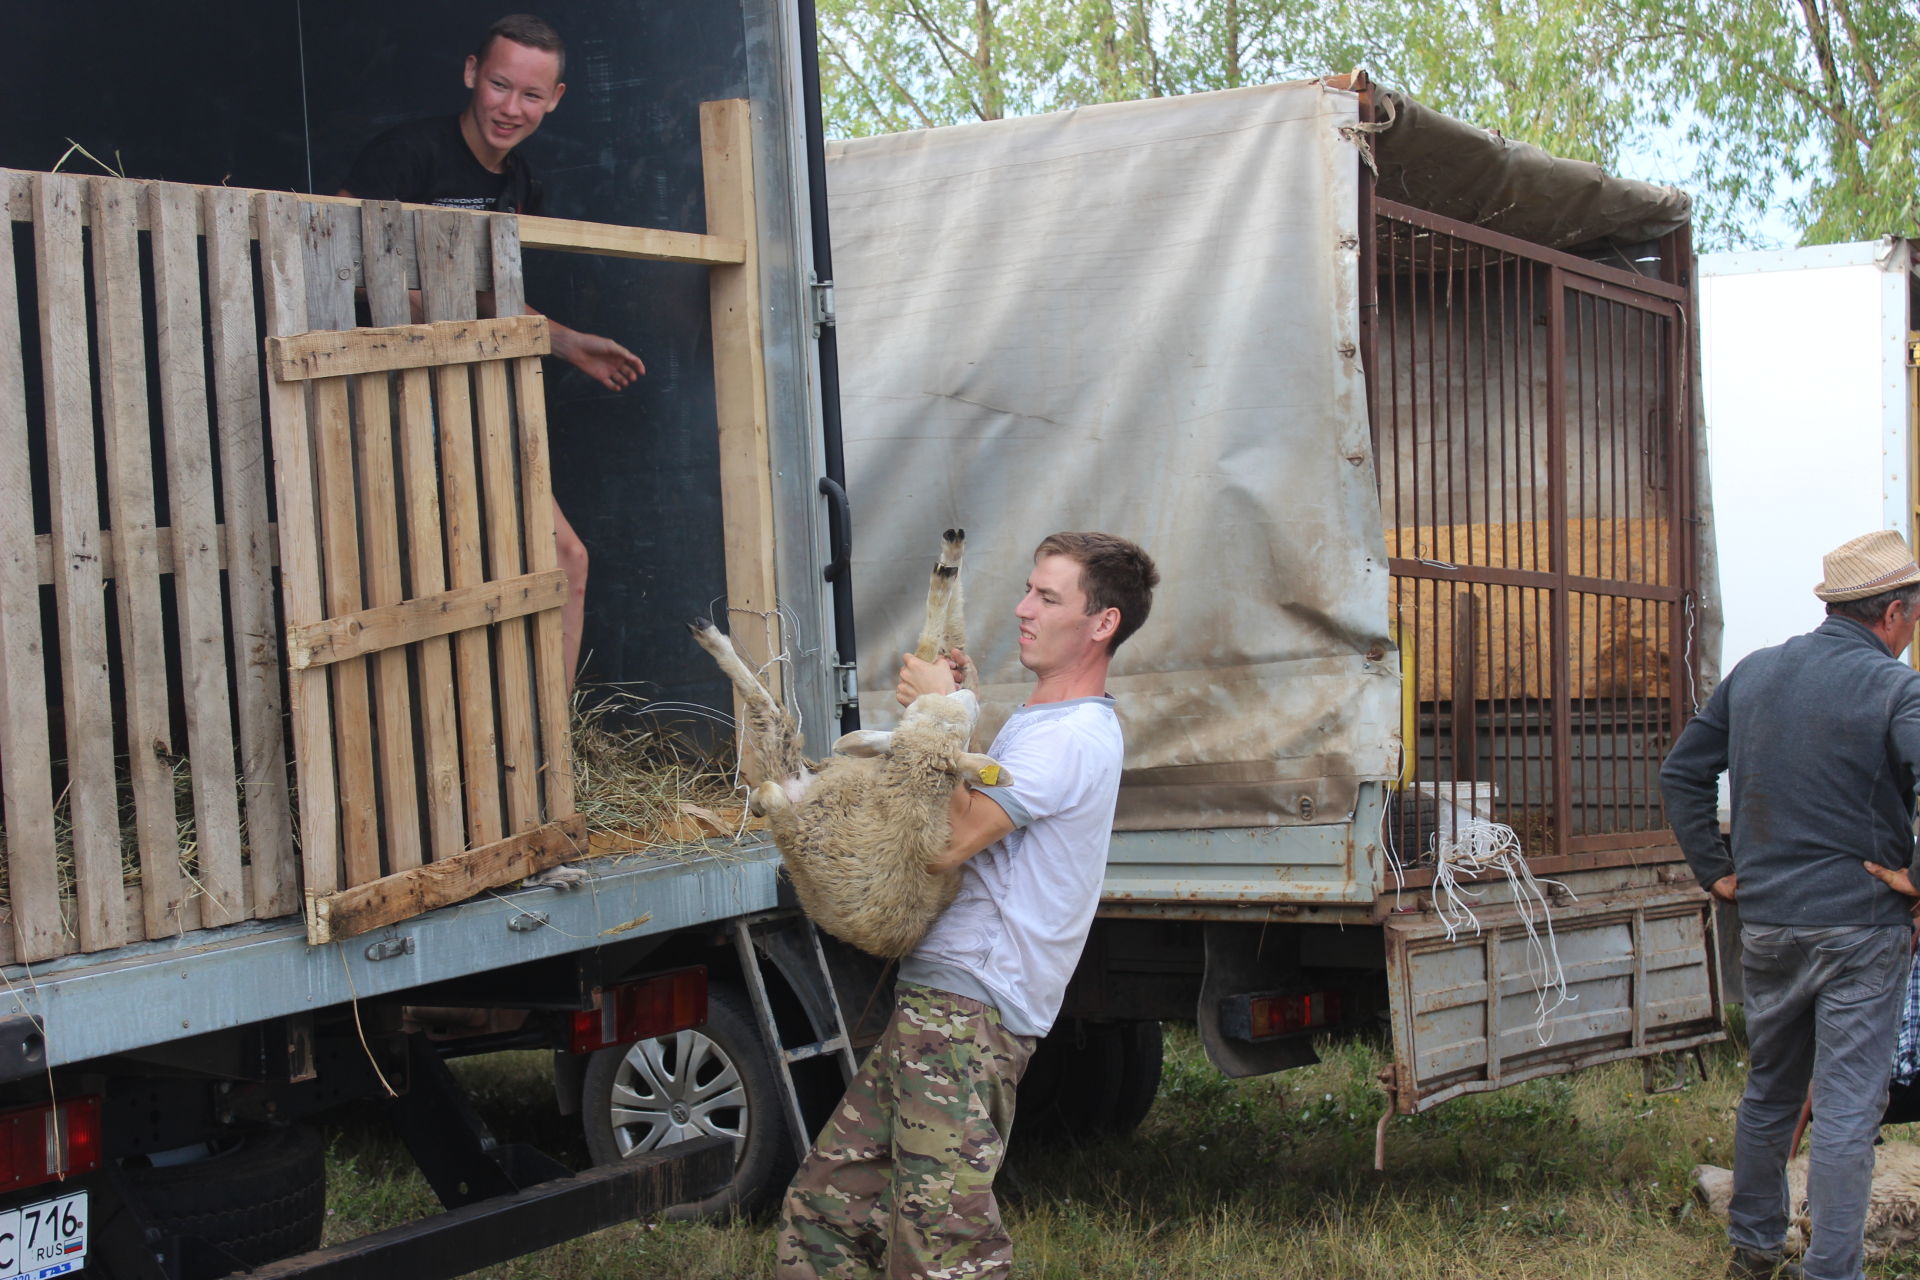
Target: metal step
753,938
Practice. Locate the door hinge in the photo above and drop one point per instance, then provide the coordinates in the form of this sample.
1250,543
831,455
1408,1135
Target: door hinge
820,295
847,683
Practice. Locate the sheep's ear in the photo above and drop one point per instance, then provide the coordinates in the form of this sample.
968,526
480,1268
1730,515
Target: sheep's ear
864,742
983,771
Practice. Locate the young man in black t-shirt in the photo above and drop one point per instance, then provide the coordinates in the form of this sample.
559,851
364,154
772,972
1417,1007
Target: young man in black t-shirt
469,162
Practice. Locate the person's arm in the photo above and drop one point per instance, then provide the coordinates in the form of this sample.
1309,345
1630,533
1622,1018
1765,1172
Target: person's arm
976,821
1903,736
1690,784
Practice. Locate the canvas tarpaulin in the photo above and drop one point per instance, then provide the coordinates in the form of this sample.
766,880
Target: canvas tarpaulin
1141,318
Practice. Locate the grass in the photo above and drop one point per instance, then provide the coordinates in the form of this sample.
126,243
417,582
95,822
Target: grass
1574,1177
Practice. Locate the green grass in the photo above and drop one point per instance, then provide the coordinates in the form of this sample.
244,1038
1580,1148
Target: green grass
1577,1176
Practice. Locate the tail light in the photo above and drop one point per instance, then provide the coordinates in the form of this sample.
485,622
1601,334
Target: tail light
49,1141
654,1006
1264,1015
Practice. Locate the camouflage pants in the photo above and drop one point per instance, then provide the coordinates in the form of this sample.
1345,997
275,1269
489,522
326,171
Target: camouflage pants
900,1182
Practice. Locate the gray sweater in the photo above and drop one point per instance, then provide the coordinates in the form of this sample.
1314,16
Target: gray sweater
1822,737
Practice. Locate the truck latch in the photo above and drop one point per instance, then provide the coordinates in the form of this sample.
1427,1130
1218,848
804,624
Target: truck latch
820,299
846,685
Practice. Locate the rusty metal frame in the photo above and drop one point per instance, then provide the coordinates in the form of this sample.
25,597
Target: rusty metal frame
1642,363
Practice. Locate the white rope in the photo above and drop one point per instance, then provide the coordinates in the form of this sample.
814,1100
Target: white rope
1479,847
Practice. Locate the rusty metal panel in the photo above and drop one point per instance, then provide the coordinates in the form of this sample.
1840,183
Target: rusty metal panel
1467,1012
1532,438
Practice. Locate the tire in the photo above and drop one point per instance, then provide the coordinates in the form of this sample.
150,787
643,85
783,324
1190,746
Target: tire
1089,1080
715,1079
1072,1085
1141,1058
264,1198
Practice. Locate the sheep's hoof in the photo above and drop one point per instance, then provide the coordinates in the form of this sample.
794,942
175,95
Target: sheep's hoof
954,535
700,624
766,798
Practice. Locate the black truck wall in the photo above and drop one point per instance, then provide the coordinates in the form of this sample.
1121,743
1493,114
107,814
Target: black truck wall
281,93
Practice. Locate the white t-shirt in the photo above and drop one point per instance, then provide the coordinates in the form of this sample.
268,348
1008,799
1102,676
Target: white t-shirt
1014,933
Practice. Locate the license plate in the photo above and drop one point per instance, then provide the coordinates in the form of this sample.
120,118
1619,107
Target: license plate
44,1239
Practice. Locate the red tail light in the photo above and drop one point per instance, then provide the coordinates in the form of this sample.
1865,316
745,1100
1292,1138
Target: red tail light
1267,1014
52,1140
655,1006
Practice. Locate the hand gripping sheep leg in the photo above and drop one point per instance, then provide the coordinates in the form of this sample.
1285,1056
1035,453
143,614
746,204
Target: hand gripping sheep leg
859,830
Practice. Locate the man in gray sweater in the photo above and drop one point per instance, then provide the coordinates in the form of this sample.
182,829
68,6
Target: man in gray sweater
1821,737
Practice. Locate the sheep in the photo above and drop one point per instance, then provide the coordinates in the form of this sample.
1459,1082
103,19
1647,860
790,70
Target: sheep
860,830
1893,1210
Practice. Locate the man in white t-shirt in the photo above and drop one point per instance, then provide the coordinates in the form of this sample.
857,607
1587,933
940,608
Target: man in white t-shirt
900,1181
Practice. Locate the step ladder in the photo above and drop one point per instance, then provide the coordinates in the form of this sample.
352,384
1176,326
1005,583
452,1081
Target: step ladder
789,940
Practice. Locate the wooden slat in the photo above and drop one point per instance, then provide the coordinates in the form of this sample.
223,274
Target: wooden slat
387,234
133,560
740,389
384,628
280,219
181,354
324,354
646,244
246,550
552,681
331,240
78,588
407,894
630,242
392,694
161,542
445,246
506,557
26,766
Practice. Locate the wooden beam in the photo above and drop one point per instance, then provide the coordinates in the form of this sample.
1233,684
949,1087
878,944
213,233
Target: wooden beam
326,353
562,235
740,390
331,917
644,243
387,626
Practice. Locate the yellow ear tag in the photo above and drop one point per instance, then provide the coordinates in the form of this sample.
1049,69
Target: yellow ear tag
990,776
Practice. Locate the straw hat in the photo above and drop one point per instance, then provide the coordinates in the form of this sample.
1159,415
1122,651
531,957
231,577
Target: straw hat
1866,566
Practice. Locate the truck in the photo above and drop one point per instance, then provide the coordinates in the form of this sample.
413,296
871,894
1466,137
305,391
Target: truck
285,725
1851,313
1407,412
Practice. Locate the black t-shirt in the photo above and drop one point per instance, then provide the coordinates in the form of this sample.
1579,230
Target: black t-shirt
429,162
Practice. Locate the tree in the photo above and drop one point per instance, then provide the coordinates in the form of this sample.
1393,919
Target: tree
1770,94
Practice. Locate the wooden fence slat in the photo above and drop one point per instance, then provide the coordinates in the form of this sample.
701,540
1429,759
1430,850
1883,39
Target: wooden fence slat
324,354
73,489
446,249
740,389
124,413
552,682
406,895
387,236
248,552
26,765
181,353
281,223
518,757
384,628
392,694
332,236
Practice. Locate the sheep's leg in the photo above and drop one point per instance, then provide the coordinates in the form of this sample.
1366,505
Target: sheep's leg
943,593
864,743
771,736
983,771
768,798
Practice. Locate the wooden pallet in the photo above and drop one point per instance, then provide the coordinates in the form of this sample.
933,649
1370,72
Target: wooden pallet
406,599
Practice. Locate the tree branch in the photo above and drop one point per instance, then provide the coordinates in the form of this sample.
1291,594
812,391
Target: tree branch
1865,63
900,91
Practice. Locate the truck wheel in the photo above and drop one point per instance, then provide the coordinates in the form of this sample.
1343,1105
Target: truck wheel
262,1199
1072,1084
714,1079
1141,1057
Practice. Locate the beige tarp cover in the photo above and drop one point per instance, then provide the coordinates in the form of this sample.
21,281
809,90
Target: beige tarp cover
1136,317
1461,171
